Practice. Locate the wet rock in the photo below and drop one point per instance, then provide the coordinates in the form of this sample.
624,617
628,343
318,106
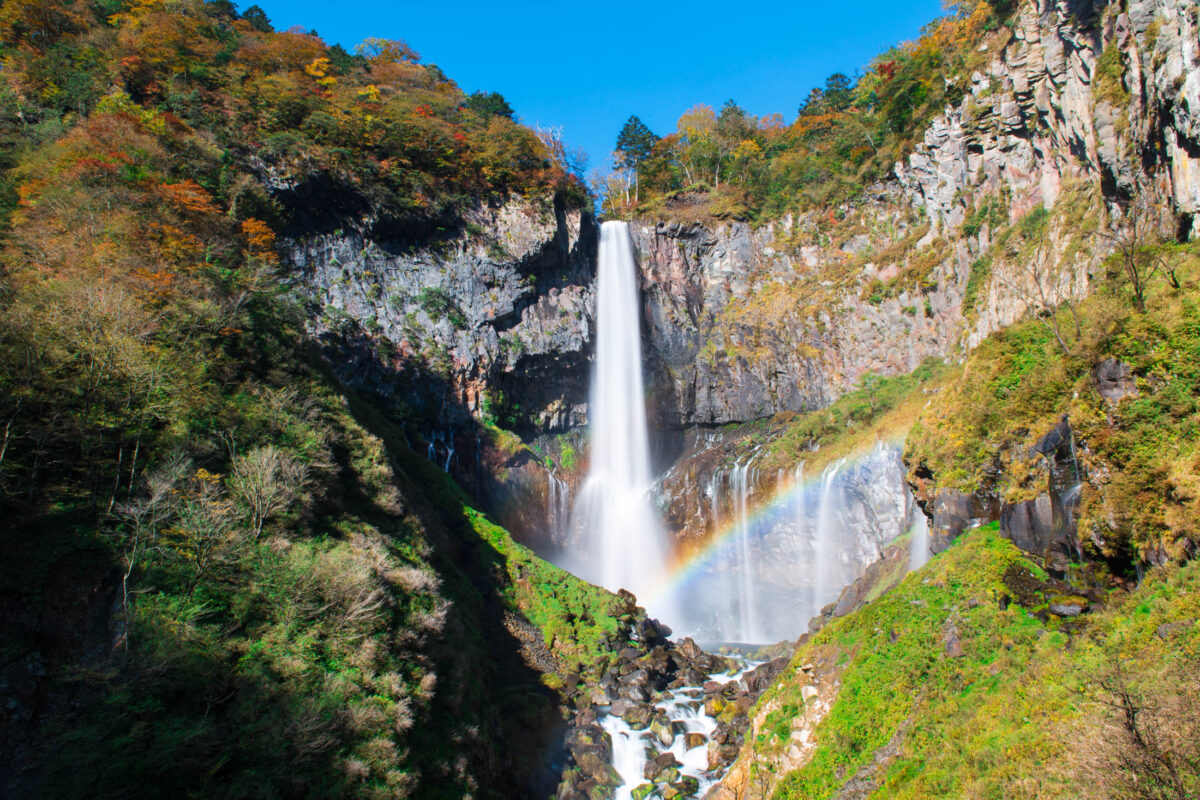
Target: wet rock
620,707
687,786
638,716
661,768
643,791
694,740
761,677
652,632
661,727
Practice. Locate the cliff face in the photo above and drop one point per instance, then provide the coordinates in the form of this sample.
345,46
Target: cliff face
1086,118
468,324
1082,110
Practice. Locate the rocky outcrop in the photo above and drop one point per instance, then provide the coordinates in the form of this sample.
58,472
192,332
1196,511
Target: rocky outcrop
1044,525
743,324
1081,108
490,318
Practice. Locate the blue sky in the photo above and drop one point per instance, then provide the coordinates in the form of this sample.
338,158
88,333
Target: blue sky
587,69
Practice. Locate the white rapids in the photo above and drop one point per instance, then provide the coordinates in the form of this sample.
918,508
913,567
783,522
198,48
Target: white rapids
685,710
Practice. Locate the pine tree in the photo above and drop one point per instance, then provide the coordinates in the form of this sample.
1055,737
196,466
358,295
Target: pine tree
634,144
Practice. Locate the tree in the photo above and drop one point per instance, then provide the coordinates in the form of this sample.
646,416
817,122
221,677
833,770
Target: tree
696,147
1140,250
734,126
265,481
387,51
489,104
258,19
635,143
838,92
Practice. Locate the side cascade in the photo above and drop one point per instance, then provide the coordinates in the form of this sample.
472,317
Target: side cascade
621,543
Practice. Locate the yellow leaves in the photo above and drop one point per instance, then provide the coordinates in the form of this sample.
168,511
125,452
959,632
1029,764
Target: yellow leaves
121,103
748,150
318,69
368,94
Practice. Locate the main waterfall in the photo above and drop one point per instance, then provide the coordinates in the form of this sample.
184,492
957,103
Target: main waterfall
624,546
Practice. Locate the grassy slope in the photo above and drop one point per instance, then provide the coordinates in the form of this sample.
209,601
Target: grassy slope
997,721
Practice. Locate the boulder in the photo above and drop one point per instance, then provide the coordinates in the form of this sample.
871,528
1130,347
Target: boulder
1068,606
1114,380
638,716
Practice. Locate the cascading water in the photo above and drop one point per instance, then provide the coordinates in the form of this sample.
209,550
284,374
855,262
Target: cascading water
824,540
740,481
623,544
558,507
918,545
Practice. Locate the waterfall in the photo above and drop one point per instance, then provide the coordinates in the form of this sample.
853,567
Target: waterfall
824,582
801,508
558,506
449,451
918,545
623,545
740,479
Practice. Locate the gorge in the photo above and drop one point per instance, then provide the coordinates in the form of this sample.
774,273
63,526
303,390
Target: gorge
355,446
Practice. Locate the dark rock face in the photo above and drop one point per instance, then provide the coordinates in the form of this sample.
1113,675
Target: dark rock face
1044,526
954,512
488,316
1114,380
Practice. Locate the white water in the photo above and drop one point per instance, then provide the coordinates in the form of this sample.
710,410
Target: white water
624,546
740,480
824,583
558,507
918,545
685,706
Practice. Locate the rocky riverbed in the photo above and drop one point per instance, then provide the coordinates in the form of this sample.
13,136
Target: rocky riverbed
665,721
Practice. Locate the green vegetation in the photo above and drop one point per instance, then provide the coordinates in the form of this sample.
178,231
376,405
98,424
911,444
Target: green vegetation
1139,455
224,574
944,691
847,134
881,407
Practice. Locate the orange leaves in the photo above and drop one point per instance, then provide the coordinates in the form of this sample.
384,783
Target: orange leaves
260,239
188,196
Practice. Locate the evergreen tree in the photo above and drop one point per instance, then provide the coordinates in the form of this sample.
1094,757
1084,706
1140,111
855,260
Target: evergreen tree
634,145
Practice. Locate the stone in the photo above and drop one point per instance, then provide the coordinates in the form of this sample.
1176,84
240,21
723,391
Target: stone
638,716
693,740
951,643
642,791
1114,380
661,727
620,707
1068,606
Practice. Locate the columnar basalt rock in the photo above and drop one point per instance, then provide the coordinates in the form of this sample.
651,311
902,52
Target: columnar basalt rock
476,317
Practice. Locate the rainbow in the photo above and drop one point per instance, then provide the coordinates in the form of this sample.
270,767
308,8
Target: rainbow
687,568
